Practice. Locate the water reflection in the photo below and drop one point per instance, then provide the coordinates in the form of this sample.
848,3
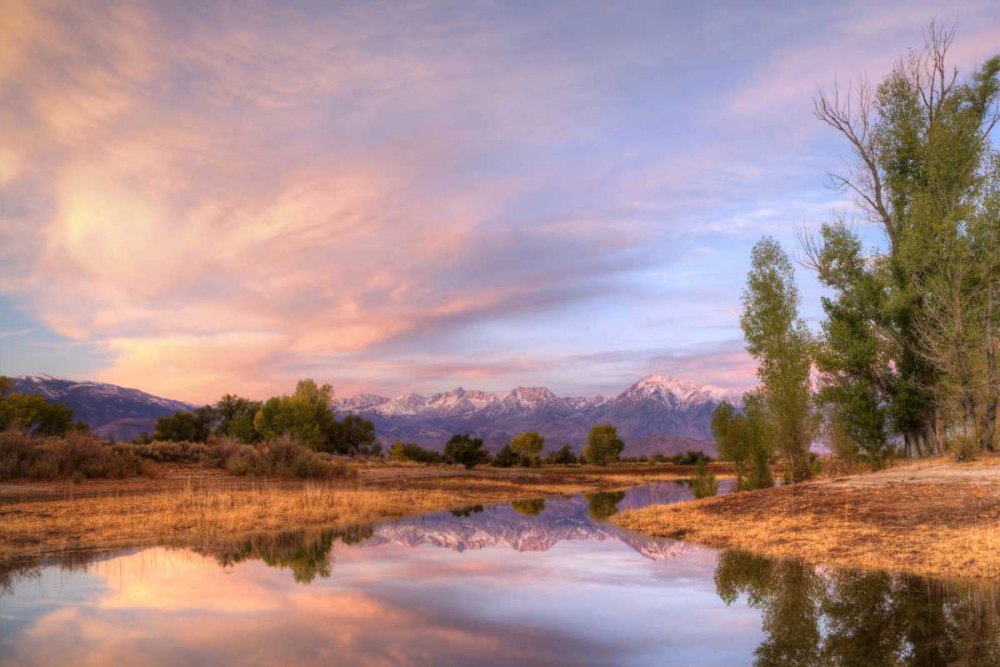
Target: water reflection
306,554
846,617
541,581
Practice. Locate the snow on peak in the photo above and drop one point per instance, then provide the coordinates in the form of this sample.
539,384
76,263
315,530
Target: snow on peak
672,390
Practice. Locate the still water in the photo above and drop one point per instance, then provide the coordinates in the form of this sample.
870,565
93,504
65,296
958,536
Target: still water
536,582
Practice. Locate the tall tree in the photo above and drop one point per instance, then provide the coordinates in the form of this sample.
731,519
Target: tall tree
921,143
780,342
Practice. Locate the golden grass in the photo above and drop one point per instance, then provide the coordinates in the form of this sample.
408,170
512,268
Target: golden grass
203,509
934,518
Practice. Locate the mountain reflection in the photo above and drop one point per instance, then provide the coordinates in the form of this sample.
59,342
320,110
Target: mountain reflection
848,617
533,525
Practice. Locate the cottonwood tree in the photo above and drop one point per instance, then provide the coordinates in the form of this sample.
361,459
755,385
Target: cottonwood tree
926,304
780,342
743,439
305,415
528,446
603,445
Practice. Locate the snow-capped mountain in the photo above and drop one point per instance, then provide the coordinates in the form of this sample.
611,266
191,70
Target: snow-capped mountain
113,412
655,414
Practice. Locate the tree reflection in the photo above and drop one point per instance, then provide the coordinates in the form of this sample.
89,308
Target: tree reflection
467,511
604,504
531,507
861,619
306,554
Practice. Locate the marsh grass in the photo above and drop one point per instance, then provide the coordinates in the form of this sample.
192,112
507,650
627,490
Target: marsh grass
941,520
192,515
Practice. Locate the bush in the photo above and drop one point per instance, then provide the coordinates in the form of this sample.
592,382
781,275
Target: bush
171,452
281,457
403,451
691,457
76,456
704,484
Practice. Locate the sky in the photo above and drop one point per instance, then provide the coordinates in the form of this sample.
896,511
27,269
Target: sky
208,197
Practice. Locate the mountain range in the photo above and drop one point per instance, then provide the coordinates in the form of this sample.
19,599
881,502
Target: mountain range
656,414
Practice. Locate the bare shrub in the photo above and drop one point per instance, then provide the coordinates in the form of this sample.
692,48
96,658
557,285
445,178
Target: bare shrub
76,456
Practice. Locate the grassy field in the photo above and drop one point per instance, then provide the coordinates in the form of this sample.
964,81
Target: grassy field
932,517
191,506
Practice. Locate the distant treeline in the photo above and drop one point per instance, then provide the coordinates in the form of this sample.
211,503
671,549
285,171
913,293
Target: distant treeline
305,416
287,436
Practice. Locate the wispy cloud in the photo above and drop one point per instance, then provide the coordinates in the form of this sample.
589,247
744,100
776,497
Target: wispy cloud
220,199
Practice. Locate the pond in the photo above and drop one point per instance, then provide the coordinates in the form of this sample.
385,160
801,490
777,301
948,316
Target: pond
546,581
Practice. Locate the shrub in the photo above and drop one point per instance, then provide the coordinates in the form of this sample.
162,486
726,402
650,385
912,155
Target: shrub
403,451
171,452
691,457
281,457
76,456
704,484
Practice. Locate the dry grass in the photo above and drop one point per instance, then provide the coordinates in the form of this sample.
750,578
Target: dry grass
195,508
933,517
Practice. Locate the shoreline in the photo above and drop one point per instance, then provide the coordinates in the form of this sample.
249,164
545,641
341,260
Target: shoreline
930,518
191,507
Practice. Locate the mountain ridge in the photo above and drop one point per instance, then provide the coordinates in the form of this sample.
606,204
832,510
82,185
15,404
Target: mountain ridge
656,414
113,412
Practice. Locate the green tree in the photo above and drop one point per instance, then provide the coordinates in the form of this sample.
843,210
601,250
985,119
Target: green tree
234,418
185,426
743,438
603,445
33,413
465,450
528,446
355,436
563,456
779,341
506,458
928,302
856,374
305,415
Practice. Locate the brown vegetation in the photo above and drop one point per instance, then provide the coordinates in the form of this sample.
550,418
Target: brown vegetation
193,506
930,517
